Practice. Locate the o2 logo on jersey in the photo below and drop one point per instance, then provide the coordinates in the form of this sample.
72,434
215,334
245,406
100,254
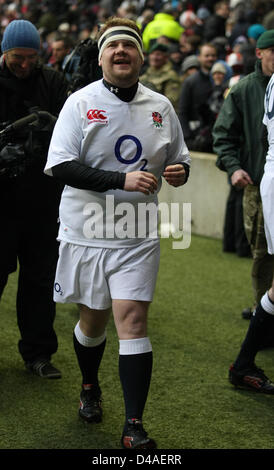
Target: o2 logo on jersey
270,100
136,157
96,115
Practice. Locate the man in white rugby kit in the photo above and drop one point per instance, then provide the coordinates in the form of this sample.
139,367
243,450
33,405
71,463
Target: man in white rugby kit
267,184
112,143
244,373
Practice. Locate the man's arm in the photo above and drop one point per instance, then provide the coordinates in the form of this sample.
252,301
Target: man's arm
227,134
78,175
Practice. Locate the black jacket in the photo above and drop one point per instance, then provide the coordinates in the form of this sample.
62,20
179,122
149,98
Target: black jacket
44,90
193,106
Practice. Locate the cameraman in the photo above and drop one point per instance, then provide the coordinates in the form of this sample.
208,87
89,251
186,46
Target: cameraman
29,199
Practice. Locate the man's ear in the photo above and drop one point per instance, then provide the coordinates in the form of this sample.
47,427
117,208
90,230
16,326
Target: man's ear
258,53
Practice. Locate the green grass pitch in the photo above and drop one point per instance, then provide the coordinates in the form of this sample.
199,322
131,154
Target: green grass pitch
196,330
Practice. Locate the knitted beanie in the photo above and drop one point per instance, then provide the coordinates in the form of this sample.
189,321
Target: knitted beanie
190,62
255,30
20,34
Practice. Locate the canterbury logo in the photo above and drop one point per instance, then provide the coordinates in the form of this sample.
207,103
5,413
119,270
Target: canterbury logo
95,115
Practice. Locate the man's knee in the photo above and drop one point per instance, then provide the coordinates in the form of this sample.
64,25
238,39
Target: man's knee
130,318
93,322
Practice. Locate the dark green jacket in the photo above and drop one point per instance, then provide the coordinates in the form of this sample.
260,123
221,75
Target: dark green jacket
239,134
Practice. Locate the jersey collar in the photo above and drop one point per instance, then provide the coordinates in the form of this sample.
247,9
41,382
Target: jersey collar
124,94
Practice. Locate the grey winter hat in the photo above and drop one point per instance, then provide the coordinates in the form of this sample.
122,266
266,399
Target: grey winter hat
189,62
20,34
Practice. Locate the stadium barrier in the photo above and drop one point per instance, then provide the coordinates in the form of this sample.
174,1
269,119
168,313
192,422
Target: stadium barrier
207,190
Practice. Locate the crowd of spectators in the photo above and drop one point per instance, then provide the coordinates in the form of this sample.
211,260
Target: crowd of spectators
232,27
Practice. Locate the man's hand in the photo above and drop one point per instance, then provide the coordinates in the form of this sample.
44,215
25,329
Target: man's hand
141,181
240,179
175,175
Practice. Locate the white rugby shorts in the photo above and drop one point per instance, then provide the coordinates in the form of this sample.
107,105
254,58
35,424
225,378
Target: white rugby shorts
267,195
94,276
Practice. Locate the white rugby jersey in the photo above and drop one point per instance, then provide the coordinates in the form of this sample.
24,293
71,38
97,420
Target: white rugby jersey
268,119
99,130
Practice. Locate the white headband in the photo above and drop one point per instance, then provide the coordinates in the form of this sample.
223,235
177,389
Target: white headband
120,33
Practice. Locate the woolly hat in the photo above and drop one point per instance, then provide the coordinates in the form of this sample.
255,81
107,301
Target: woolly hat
189,62
203,13
255,30
187,18
20,34
218,67
266,39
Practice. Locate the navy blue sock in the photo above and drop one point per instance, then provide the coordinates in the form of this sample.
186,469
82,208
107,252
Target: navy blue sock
89,359
135,374
261,324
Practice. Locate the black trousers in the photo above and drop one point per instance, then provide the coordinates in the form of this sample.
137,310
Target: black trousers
31,242
234,239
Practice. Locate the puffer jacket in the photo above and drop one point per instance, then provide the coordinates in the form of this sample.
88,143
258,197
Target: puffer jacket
239,136
163,24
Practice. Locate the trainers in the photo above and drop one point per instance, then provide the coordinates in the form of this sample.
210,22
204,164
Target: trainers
90,404
43,368
135,437
252,378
